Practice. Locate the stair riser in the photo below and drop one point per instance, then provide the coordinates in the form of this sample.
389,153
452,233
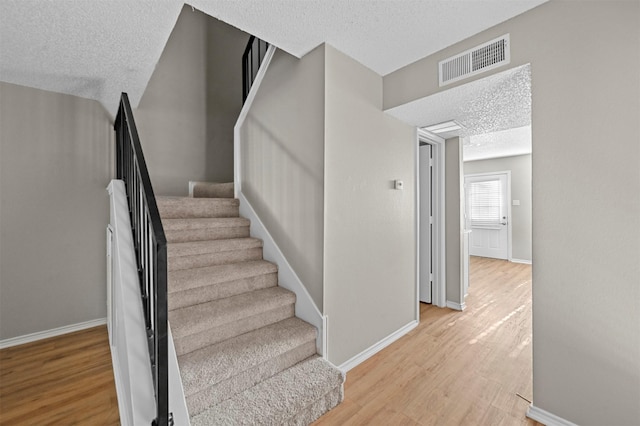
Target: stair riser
296,396
220,290
212,259
316,410
213,190
226,389
226,331
204,234
211,209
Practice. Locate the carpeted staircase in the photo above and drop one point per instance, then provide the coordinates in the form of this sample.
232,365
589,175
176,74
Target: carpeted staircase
245,359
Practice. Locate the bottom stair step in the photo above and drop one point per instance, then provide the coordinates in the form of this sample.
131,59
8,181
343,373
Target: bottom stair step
213,374
296,396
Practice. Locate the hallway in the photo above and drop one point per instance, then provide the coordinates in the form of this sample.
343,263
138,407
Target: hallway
455,368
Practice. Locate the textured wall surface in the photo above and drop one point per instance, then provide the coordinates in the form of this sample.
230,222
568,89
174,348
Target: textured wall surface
454,224
586,199
186,115
55,157
370,228
283,161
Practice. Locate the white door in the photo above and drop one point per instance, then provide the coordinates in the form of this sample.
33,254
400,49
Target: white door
487,214
426,222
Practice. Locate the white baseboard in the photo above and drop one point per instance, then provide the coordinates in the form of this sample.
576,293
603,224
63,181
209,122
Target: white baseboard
377,347
456,306
33,337
547,418
526,262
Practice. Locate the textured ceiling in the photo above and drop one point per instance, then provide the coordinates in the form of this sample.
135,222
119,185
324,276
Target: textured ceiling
498,144
91,49
492,104
96,49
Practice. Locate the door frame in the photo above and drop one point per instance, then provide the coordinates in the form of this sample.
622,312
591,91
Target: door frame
438,197
509,215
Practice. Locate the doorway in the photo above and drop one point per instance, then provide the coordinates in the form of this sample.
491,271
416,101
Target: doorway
487,214
431,220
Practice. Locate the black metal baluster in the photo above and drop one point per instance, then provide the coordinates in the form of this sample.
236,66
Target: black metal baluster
150,247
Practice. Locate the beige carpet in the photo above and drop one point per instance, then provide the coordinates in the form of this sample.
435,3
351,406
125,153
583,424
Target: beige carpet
244,357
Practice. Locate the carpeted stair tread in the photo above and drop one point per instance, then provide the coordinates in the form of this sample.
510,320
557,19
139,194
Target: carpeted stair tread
298,395
192,248
213,190
199,254
204,229
187,207
213,374
197,326
200,277
195,286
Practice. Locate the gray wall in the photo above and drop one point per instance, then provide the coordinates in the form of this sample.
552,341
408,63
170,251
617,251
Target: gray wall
55,156
370,228
586,199
520,167
454,225
319,158
186,115
283,161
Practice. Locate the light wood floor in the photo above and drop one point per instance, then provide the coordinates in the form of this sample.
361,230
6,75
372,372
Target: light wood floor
455,368
64,380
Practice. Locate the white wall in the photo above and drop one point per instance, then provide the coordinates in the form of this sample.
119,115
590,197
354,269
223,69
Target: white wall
186,116
520,167
282,165
370,232
55,163
586,199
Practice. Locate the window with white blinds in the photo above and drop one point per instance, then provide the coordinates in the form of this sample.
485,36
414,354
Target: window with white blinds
485,203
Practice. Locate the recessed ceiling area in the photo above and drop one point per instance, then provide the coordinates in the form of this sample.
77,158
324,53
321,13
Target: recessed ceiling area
492,111
97,49
505,143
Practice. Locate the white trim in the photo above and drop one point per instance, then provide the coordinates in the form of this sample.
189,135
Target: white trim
377,347
192,184
177,399
547,418
129,348
527,262
243,115
306,308
439,217
416,164
39,335
456,306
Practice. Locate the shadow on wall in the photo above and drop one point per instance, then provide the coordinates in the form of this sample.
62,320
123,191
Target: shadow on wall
224,46
289,198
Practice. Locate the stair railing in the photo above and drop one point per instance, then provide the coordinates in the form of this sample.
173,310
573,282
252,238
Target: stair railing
151,252
251,60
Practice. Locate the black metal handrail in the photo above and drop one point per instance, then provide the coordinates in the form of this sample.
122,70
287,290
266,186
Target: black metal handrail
252,57
151,252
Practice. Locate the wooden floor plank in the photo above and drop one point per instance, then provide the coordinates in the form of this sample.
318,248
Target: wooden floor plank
455,368
64,380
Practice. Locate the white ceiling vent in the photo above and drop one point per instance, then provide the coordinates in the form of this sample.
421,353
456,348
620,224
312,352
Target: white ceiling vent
474,61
